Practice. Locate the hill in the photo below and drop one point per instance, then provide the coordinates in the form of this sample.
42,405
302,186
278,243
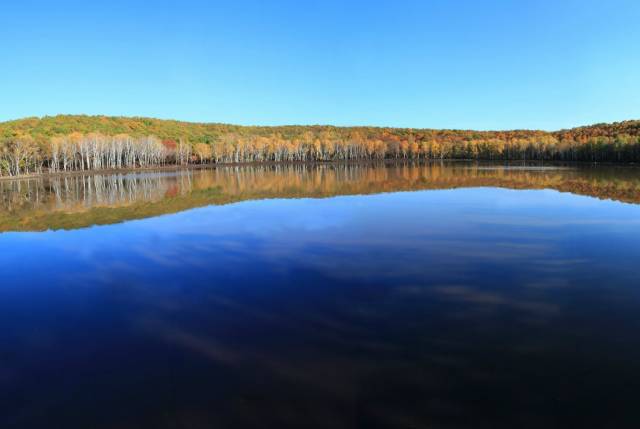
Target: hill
80,142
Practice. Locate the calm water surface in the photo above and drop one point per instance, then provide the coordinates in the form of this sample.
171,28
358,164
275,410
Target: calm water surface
437,296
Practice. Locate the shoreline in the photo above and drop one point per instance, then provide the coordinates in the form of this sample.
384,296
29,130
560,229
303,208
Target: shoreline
210,166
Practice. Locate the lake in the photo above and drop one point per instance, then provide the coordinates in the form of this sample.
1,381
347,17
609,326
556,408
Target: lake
438,295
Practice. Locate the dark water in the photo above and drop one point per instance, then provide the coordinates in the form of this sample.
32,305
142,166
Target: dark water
437,296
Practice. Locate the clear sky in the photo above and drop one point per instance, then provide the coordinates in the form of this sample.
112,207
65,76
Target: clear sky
491,64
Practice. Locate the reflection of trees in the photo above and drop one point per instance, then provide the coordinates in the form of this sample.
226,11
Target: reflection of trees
303,180
165,192
79,192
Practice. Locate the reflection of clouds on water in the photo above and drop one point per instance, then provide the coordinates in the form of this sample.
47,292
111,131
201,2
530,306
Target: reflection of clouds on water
470,295
423,309
481,297
392,235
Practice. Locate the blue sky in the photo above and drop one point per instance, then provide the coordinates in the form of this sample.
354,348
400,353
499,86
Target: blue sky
433,64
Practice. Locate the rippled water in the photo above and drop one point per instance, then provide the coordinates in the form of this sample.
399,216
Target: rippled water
440,295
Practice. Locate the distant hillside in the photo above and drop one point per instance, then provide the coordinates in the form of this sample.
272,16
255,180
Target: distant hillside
79,142
49,126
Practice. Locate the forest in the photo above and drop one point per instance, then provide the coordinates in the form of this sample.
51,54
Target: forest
67,143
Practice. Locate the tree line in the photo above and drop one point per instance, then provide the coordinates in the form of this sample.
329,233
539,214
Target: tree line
90,143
